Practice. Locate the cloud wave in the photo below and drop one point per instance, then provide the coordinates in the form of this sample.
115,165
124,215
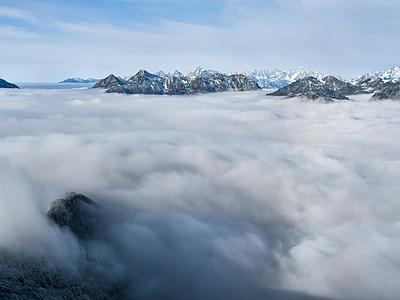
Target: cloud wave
225,195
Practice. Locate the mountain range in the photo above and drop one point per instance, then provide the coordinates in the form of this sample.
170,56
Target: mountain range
200,81
330,87
211,80
268,79
276,78
391,75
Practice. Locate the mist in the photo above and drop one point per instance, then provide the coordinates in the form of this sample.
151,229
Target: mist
217,196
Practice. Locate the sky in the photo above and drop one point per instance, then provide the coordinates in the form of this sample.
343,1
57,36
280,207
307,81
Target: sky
53,40
214,196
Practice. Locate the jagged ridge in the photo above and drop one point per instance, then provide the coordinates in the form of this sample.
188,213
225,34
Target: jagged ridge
391,75
328,88
389,91
277,78
200,81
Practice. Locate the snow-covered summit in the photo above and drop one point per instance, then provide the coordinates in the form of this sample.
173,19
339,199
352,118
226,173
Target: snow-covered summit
277,78
201,71
391,75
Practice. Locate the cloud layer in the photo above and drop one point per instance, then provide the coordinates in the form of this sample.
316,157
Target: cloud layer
50,42
213,196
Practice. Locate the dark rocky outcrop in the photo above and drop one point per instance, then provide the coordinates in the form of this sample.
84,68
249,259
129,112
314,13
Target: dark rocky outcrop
339,86
79,213
177,84
241,82
143,83
372,85
7,85
173,85
111,81
313,88
200,84
388,91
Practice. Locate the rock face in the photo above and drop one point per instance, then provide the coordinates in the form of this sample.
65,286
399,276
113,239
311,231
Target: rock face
141,83
7,85
79,213
200,81
111,81
174,85
372,85
328,88
339,86
388,91
241,82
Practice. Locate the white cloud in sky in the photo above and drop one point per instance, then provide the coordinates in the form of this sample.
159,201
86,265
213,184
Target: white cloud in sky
230,193
10,12
334,37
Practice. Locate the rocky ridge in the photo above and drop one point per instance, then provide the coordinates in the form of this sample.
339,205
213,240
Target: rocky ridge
327,88
330,88
78,213
200,81
388,91
110,81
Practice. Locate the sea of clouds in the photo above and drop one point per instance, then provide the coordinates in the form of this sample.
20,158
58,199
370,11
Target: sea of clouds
216,196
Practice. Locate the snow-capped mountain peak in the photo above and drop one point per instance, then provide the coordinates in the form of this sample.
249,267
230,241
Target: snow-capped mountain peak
277,78
201,71
391,75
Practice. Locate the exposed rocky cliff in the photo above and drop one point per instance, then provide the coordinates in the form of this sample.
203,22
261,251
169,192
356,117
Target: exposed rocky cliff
111,81
372,85
339,86
388,91
142,83
79,213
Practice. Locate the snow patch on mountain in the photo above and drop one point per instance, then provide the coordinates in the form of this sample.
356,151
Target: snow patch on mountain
391,75
277,78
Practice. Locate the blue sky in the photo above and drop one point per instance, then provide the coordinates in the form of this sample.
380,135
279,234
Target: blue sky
51,40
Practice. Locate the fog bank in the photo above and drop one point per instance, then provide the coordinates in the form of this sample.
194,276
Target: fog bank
227,195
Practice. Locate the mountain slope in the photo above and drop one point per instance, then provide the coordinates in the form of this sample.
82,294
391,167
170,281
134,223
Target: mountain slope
389,91
7,85
110,81
328,88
